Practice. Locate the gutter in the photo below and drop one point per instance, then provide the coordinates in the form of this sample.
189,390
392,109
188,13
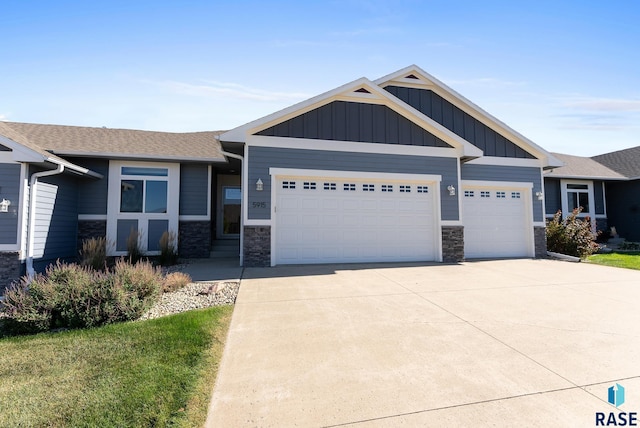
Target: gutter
32,215
243,207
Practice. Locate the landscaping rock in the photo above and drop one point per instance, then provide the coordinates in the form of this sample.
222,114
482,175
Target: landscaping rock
194,296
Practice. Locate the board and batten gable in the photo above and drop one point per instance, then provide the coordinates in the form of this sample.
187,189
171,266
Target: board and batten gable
459,122
260,159
519,174
10,190
357,122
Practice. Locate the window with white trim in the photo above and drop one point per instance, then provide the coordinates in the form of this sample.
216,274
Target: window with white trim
501,195
368,187
469,194
288,184
349,187
309,185
484,194
405,189
387,187
423,189
515,195
143,190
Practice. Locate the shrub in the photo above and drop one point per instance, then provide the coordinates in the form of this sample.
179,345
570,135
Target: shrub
134,247
571,236
94,253
175,281
168,253
73,296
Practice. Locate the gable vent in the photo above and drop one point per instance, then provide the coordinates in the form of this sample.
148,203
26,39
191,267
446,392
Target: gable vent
412,76
362,90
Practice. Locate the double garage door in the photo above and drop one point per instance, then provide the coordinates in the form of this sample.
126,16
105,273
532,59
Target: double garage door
497,222
343,220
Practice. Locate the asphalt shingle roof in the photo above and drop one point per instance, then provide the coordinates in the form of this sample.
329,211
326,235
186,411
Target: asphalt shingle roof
126,143
625,162
581,167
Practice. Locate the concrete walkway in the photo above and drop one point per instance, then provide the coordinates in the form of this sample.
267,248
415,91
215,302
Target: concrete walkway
214,269
494,343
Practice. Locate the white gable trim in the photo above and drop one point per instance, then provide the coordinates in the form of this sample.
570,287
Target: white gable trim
350,146
347,92
427,81
500,161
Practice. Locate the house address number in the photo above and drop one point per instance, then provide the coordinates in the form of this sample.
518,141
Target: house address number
259,205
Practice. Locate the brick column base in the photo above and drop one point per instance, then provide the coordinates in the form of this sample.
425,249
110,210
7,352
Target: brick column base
452,244
257,246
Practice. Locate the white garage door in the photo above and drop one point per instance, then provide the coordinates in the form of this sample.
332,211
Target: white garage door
497,222
320,220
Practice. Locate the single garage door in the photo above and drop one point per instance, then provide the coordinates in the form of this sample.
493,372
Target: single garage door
326,220
497,222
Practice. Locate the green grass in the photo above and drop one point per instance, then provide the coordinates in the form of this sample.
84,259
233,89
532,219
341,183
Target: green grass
138,374
630,260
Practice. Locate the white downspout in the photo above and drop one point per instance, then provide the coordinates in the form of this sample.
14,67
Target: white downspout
243,207
32,215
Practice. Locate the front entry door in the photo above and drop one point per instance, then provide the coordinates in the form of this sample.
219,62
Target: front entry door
231,197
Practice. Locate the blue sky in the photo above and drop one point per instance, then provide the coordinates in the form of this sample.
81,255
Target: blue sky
566,74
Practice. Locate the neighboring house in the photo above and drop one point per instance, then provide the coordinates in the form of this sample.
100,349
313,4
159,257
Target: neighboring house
93,182
607,187
398,169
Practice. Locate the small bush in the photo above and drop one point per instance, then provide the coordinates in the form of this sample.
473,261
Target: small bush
168,253
175,281
94,253
134,247
73,296
571,236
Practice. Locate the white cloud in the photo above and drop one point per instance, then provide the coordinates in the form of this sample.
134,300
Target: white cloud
3,117
228,90
605,104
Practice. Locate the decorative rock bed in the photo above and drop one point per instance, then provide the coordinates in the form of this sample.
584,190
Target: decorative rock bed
194,296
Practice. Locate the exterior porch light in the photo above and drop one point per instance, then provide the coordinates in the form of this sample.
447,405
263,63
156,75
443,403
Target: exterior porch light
451,189
4,205
540,195
259,185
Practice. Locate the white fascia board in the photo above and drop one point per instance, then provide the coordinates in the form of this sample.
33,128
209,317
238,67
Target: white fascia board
7,157
21,153
350,146
586,177
451,223
499,184
239,134
321,173
500,161
142,157
469,107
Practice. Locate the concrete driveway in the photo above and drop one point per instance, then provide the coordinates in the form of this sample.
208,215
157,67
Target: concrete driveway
491,343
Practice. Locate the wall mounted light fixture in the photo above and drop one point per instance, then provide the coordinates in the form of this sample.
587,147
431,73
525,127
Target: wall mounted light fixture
540,196
4,205
451,189
259,185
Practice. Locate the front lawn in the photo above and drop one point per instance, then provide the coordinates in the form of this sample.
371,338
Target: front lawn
629,260
149,373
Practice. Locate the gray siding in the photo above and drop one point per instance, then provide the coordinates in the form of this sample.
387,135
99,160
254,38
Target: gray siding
598,194
508,173
193,189
360,122
9,189
459,122
262,158
552,199
56,224
623,208
92,193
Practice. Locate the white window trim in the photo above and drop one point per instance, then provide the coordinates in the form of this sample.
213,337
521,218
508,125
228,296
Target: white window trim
113,203
432,180
565,201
